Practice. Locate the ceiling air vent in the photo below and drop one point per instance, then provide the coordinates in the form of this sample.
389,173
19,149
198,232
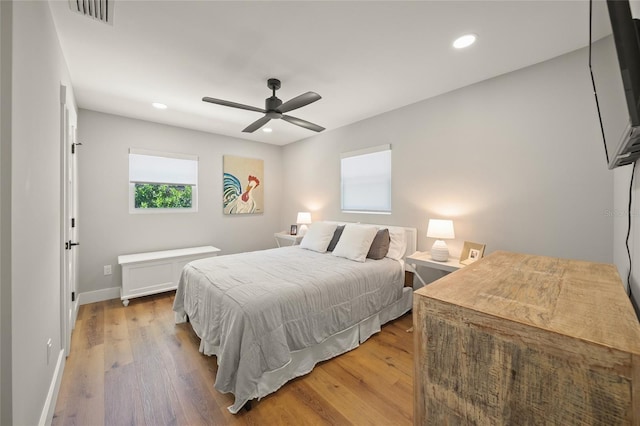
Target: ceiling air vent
101,10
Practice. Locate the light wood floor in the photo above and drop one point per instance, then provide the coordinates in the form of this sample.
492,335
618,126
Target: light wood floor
134,366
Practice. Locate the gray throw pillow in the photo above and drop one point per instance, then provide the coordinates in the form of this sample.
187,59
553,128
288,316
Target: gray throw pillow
336,237
380,245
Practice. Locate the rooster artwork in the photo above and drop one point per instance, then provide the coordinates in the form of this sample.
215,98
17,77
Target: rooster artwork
242,190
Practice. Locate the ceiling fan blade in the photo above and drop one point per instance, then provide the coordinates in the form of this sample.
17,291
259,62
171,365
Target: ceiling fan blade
302,123
257,124
299,102
232,104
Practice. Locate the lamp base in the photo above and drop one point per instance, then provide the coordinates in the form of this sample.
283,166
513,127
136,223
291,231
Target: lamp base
440,251
302,229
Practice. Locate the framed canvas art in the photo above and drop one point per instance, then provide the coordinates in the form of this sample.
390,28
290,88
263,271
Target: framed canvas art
243,184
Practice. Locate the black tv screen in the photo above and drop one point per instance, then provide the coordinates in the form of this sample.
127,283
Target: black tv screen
614,61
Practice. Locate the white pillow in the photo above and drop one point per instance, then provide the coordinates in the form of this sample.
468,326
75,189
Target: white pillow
318,236
355,242
398,244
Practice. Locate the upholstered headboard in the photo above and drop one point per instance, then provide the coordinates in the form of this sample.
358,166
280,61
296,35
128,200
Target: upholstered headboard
412,240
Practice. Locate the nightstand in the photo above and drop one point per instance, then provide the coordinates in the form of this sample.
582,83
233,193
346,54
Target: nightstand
423,258
287,239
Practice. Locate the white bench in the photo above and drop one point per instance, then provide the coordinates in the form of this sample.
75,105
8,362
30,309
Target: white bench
158,271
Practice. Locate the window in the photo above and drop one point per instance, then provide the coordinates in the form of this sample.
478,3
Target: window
162,182
366,180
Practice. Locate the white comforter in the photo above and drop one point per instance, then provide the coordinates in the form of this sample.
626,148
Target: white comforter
253,309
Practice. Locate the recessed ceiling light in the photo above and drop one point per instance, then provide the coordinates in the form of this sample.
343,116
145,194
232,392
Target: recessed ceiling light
158,105
465,41
267,130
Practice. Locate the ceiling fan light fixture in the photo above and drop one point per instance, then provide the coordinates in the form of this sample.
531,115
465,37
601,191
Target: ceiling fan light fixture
274,108
465,41
158,105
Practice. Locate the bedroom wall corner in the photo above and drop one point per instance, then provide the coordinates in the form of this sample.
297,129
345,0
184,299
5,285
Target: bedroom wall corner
515,161
109,230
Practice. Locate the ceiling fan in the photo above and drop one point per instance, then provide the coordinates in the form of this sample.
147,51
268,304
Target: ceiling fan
275,109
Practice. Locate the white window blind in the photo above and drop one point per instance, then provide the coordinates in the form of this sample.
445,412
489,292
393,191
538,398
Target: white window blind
366,180
162,168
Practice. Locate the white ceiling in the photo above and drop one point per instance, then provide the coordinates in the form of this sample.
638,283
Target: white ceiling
364,57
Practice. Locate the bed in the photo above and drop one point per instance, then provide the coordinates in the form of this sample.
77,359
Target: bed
269,316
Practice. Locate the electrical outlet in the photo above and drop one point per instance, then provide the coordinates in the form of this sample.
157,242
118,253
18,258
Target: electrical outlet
107,269
49,346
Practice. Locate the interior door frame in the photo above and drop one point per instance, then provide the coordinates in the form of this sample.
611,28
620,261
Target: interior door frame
68,258
73,206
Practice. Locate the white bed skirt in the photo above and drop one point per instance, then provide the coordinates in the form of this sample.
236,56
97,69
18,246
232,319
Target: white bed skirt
304,360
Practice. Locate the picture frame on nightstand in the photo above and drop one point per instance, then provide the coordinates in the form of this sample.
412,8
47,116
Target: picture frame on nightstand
294,230
284,238
471,252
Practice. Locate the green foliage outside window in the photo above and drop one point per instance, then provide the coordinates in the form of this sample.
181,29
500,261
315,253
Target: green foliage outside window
150,196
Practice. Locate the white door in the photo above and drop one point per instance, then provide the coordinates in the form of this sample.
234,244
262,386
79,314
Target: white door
69,258
72,220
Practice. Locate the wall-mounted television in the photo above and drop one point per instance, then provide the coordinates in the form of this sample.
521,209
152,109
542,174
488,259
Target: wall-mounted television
614,62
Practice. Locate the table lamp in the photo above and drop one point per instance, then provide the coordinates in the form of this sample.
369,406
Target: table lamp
440,229
304,219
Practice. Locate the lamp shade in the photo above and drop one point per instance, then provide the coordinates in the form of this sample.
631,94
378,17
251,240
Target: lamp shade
304,218
440,229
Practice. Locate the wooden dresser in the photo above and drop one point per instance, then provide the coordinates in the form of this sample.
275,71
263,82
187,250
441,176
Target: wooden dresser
516,339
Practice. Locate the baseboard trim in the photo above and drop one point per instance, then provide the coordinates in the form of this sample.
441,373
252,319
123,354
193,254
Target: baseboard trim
98,295
49,408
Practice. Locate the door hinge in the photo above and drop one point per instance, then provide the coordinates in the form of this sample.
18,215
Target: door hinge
73,147
73,296
73,222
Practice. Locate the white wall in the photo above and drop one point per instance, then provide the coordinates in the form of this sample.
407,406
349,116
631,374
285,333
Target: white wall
106,227
515,161
620,218
38,71
5,212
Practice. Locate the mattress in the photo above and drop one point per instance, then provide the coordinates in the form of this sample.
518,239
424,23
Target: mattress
256,310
